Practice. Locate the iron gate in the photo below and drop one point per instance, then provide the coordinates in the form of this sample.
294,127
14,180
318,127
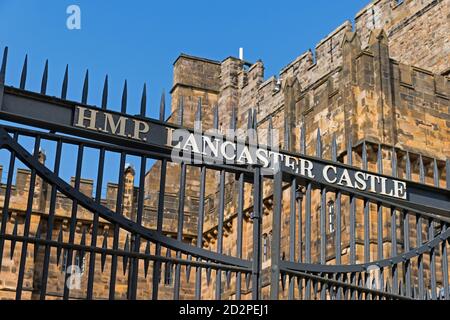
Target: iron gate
328,241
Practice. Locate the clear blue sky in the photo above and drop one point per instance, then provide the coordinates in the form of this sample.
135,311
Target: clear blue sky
139,40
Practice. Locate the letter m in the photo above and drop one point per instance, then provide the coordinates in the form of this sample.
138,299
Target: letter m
116,128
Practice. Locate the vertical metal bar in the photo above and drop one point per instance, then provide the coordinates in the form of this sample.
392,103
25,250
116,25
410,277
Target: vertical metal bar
26,230
160,213
407,264
134,263
380,239
50,225
308,236
299,196
419,234
181,201
98,197
220,231
444,243
338,195
73,219
292,239
240,222
257,221
119,201
352,220
323,235
445,263
432,260
366,211
5,209
276,235
431,235
394,228
201,213
323,205
240,209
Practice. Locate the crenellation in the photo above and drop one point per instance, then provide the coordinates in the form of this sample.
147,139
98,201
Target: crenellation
407,26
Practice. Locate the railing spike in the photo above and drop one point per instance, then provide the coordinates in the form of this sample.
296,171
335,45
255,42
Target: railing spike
198,116
394,163
37,237
361,285
387,287
283,281
13,241
380,159
104,247
59,247
126,249
83,238
216,117
105,93
65,83
287,139
188,269
303,139
247,281
123,108
270,132
208,276
334,148
408,166
146,260
23,76
349,151
144,100
315,287
299,285
421,170
435,173
364,155
44,78
162,107
181,111
233,124
228,277
319,144
3,67
249,119
84,94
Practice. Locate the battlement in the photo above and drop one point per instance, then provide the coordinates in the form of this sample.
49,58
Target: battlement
309,67
417,31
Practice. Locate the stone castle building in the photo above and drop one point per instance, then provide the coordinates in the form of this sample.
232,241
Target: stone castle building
382,81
